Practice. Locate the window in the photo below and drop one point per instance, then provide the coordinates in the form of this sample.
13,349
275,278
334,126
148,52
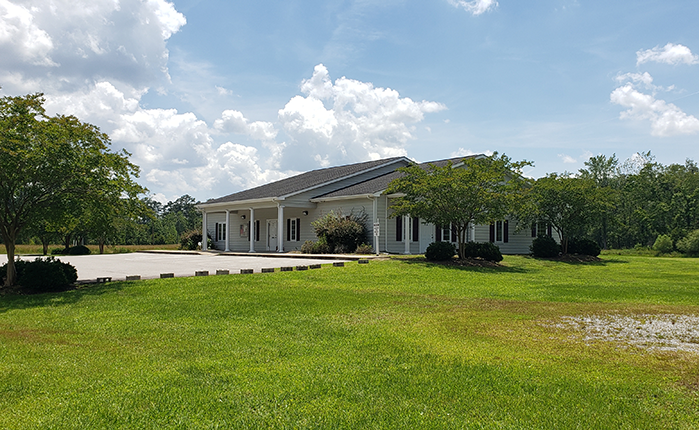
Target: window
499,231
220,231
399,229
541,229
293,229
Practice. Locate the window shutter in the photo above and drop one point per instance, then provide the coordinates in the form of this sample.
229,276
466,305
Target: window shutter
298,229
506,231
438,233
288,229
399,229
257,230
416,229
216,232
492,232
453,233
534,230
548,229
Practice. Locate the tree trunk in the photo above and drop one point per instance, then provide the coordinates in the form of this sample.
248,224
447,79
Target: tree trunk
44,245
11,277
101,244
66,241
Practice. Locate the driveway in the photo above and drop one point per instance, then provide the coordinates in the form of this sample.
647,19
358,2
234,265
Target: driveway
149,265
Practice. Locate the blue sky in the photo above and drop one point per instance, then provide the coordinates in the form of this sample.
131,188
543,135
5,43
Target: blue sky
212,97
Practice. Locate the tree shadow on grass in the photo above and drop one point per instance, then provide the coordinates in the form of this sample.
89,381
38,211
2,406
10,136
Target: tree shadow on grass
580,260
478,266
13,301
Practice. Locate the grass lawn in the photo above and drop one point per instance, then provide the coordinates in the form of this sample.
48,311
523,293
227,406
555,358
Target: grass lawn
94,249
392,344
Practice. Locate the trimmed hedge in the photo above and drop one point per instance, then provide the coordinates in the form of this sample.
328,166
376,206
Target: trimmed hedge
440,251
545,247
584,247
43,275
485,250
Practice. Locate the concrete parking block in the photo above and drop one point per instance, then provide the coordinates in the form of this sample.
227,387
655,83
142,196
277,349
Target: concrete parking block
314,266
286,269
223,272
339,264
246,271
268,270
201,273
167,275
133,277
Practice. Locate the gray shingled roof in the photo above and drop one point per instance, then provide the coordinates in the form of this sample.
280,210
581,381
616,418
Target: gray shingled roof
380,183
301,182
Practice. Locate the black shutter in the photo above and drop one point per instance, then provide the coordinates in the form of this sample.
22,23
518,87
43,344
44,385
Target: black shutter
453,233
492,232
438,233
257,230
548,229
416,229
506,231
298,229
216,232
399,229
534,230
288,229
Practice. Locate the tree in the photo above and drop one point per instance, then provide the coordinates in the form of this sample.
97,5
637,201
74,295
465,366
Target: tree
569,204
604,171
46,161
481,191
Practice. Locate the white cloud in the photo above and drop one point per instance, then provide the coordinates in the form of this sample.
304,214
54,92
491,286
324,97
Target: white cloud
567,159
347,121
476,7
62,46
233,121
666,119
669,54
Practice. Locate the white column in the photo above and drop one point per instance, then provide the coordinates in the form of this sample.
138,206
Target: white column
280,228
406,233
203,231
228,229
251,230
375,219
473,231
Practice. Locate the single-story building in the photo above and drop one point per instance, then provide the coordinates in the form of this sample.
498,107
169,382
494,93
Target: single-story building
277,217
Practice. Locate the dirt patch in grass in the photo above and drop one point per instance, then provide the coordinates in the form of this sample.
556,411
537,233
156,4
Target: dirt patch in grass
663,332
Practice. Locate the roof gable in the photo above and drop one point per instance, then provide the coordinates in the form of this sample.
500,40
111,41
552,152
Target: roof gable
304,182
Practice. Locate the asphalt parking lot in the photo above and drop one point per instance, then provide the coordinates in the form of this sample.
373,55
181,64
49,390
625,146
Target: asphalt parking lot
151,265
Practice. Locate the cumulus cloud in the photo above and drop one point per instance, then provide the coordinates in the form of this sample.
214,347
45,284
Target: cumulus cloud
666,119
669,54
348,121
60,45
476,7
567,159
461,152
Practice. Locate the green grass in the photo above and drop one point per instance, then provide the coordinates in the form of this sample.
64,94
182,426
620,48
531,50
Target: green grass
392,344
108,249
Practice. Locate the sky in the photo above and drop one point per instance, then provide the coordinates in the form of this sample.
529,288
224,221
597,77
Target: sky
212,97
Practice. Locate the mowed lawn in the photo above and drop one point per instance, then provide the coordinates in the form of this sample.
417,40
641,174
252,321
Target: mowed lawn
391,344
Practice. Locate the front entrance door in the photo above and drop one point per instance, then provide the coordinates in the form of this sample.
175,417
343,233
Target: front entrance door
271,235
426,236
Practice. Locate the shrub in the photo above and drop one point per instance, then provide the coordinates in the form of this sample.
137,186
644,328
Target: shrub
341,233
43,275
440,251
191,240
584,247
489,251
663,244
59,251
320,247
485,250
78,250
690,244
364,249
545,247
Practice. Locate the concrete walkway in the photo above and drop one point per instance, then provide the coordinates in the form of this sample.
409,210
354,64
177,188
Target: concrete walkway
150,265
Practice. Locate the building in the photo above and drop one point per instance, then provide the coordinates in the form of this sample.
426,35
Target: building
277,217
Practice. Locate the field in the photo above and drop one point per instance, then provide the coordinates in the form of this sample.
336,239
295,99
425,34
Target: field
393,344
94,249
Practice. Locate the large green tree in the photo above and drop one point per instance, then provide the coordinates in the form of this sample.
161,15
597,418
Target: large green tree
477,190
570,204
46,161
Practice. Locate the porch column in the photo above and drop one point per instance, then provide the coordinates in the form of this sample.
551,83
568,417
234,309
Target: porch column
375,219
228,229
251,230
280,228
473,231
204,234
406,233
